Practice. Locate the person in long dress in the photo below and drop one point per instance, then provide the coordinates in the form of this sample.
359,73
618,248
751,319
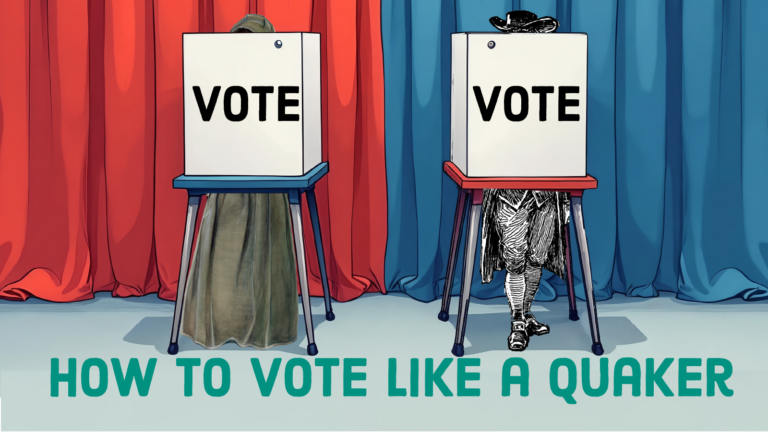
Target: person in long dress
242,281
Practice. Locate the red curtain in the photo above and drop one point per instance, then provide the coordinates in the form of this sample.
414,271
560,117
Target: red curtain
91,137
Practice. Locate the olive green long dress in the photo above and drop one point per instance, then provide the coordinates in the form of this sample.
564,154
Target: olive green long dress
242,281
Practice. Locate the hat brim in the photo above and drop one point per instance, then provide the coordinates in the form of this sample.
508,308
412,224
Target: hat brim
541,25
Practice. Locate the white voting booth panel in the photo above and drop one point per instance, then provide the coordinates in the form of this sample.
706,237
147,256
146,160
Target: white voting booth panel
519,104
251,103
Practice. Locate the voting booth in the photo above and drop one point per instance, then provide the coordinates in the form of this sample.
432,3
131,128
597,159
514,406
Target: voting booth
251,103
518,121
516,97
252,124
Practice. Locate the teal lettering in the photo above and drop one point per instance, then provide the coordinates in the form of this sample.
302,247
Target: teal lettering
306,383
586,378
70,377
414,377
718,378
350,376
620,379
683,376
434,377
655,378
133,373
265,385
187,364
507,379
554,384
85,377
462,376
392,390
327,364
208,379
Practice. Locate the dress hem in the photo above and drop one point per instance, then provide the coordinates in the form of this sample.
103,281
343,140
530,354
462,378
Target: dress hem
238,343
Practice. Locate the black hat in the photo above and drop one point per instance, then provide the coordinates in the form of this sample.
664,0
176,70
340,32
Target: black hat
521,21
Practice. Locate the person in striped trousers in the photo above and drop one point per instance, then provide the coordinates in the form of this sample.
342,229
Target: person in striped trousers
522,234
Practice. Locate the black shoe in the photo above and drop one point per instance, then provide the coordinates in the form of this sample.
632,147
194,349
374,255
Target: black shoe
518,339
534,327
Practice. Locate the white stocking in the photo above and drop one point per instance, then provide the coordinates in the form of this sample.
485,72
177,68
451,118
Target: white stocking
514,287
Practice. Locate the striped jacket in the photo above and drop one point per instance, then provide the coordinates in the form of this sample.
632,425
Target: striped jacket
492,260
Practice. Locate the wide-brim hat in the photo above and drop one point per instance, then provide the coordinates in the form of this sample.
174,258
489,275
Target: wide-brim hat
521,21
254,24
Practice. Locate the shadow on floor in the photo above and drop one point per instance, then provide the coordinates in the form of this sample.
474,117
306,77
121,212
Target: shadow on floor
489,332
157,331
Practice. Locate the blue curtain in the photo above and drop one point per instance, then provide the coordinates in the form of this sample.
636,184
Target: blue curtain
677,138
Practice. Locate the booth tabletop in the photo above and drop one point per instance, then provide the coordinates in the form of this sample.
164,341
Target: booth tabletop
221,183
563,184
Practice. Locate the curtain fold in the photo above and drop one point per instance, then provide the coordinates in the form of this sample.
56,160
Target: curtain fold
722,247
676,136
44,130
91,136
352,198
417,52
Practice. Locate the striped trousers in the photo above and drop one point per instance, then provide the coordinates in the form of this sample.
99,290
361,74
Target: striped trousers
526,234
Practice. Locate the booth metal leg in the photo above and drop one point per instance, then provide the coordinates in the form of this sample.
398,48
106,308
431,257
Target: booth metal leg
466,281
572,313
301,263
312,201
458,224
581,238
193,204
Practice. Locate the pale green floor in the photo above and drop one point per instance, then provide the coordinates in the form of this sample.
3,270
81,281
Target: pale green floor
378,327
